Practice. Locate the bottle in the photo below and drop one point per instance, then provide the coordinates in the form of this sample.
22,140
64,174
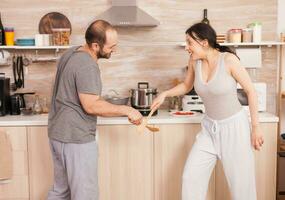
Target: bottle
2,33
256,27
205,19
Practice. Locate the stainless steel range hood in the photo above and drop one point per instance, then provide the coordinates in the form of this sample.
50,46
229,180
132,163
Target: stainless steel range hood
126,13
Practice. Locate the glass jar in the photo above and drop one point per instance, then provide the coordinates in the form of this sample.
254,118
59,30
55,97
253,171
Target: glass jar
61,36
9,36
256,34
37,108
247,35
234,35
44,105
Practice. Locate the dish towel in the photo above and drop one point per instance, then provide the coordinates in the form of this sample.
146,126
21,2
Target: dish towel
6,161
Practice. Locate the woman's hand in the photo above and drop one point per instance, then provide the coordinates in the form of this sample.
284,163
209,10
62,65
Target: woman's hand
257,139
158,101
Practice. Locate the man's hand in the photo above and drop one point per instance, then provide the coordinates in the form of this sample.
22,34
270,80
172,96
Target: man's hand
135,117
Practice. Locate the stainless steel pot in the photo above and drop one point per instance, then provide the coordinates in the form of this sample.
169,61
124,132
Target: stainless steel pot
143,96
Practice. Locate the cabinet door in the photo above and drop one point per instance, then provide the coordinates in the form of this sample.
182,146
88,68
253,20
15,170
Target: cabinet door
265,168
40,162
172,145
18,186
125,163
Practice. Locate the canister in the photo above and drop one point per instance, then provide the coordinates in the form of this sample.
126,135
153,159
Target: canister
247,35
9,36
234,35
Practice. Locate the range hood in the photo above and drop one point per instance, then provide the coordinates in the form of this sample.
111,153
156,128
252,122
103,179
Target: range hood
126,13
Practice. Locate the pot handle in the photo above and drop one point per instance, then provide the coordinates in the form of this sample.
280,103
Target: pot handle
143,83
153,93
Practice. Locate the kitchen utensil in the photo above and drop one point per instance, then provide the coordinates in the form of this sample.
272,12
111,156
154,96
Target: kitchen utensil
113,97
142,126
53,20
18,71
27,111
152,129
118,100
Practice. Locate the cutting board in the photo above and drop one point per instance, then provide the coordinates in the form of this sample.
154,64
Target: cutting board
53,20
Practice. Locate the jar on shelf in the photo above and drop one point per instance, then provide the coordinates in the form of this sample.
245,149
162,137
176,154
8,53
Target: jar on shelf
256,34
61,36
234,35
9,36
247,35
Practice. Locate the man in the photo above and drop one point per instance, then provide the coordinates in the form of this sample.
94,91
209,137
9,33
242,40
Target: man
75,105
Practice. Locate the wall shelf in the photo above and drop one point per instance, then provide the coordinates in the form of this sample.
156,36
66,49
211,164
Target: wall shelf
34,47
264,43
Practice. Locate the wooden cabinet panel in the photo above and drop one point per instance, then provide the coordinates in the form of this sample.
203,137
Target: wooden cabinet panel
265,163
18,186
125,163
265,168
172,146
40,162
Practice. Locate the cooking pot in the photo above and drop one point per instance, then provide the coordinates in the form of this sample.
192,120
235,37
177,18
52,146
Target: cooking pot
143,96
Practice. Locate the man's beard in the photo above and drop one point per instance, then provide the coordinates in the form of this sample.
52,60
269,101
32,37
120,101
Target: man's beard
102,54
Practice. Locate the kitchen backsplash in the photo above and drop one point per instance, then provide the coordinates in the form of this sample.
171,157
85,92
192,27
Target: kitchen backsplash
145,54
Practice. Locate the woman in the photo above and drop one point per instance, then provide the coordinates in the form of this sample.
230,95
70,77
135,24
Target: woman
226,134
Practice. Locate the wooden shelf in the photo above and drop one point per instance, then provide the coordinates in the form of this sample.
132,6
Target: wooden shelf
264,43
35,47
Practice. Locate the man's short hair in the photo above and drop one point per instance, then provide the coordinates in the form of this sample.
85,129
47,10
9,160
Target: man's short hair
96,32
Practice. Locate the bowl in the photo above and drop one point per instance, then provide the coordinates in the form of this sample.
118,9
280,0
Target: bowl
118,100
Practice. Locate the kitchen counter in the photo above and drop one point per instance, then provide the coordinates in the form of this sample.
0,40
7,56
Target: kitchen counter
163,117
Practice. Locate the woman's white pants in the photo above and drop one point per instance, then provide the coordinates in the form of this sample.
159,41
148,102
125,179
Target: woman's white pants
228,140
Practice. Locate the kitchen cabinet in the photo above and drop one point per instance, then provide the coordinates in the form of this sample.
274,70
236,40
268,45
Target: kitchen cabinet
18,186
172,146
137,166
265,168
125,163
40,162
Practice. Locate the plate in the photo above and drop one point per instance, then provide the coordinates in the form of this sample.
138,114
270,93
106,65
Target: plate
53,20
183,113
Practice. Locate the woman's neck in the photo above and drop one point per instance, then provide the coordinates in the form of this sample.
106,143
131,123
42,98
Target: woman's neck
212,57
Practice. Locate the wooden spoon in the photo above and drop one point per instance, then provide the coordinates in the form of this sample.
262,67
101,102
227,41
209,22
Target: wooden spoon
142,126
152,129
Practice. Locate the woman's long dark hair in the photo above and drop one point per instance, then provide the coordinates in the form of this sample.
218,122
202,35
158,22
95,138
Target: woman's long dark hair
202,31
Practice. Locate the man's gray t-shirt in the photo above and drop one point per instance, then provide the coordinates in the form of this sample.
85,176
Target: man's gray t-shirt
77,72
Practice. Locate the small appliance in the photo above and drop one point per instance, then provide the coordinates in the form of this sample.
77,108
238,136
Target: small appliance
193,102
4,94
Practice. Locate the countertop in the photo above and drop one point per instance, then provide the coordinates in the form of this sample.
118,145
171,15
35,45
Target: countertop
163,117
